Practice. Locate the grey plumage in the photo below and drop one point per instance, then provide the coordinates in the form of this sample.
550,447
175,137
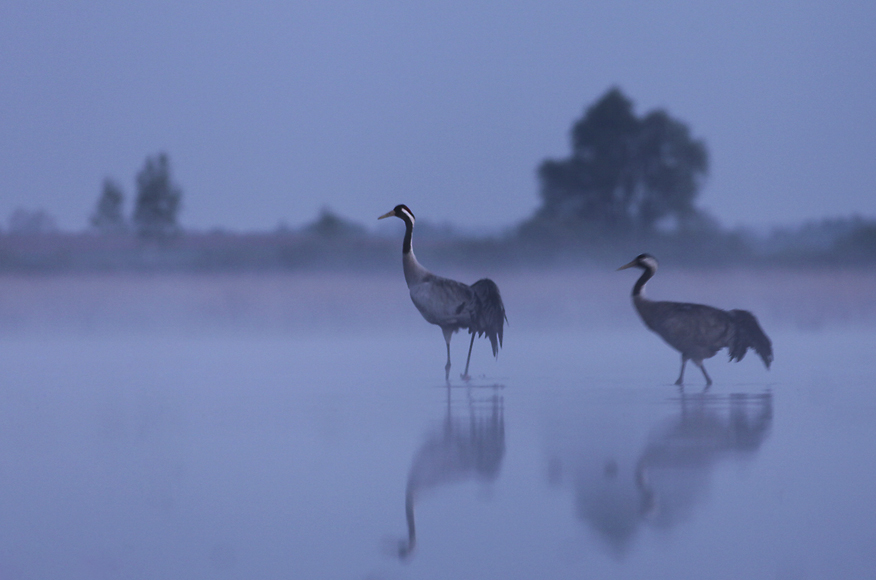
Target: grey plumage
698,331
488,316
449,304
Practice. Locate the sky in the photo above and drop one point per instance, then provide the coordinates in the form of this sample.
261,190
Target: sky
271,111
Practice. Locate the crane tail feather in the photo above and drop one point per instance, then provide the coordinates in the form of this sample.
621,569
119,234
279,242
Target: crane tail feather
489,313
749,334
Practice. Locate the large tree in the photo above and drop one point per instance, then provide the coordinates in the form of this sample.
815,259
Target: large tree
158,199
625,173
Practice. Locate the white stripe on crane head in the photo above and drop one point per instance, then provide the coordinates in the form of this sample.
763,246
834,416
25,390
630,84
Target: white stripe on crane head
407,212
649,261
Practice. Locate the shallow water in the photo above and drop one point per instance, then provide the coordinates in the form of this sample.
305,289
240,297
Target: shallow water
296,453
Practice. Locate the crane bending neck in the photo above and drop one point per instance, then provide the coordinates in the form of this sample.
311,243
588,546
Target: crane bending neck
409,233
414,272
639,288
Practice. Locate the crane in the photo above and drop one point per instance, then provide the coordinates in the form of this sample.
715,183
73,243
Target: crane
697,331
449,304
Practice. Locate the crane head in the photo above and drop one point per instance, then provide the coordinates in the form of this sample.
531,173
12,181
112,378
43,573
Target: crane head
400,211
643,261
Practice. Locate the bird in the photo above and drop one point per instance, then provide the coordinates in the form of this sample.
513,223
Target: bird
449,304
697,331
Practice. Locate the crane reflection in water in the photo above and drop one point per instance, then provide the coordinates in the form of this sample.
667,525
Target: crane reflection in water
661,483
468,447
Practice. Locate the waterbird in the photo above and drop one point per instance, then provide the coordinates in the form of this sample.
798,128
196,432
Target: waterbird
697,331
450,304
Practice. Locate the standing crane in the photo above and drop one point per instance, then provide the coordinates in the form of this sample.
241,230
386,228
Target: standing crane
696,330
450,304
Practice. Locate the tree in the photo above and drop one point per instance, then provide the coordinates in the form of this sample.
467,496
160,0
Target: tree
107,216
625,174
158,199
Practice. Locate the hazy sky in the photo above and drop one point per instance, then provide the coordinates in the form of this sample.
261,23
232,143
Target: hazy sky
271,110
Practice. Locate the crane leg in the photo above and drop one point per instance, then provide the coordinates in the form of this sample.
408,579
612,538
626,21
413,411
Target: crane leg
447,366
680,380
699,363
465,376
447,334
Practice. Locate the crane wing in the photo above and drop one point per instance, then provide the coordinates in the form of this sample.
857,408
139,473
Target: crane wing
443,301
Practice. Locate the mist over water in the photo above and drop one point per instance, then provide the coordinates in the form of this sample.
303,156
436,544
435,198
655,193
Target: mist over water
281,425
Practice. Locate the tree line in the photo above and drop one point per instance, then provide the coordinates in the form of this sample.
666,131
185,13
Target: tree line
625,175
629,182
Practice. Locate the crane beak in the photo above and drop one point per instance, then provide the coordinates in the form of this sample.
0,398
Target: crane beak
625,266
387,214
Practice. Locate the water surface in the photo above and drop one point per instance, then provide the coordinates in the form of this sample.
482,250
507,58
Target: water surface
268,451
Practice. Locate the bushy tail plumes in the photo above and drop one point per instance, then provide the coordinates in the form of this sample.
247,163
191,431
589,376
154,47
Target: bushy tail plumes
749,334
489,313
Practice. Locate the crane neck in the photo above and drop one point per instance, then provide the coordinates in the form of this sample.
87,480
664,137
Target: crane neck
639,288
409,233
414,272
